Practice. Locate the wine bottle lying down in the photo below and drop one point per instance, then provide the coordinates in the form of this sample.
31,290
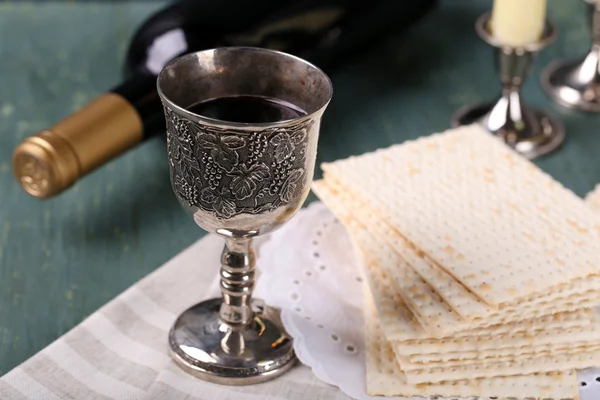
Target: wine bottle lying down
324,32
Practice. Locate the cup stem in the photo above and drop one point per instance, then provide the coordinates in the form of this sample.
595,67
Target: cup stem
238,261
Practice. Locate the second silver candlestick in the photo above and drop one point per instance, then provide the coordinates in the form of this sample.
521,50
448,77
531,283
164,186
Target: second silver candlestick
574,84
529,131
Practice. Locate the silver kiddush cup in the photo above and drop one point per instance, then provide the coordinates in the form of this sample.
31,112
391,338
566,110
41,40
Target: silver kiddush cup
239,180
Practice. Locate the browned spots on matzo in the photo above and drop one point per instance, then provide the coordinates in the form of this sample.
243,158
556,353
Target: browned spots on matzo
449,249
485,287
413,171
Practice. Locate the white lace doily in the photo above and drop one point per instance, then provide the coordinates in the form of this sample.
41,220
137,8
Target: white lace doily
308,269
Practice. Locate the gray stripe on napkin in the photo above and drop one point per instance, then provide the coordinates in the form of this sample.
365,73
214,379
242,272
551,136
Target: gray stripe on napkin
188,293
158,293
162,391
109,362
288,388
174,390
130,324
27,385
297,384
191,273
8,392
50,375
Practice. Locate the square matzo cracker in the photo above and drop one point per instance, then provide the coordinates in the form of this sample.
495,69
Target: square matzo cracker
491,219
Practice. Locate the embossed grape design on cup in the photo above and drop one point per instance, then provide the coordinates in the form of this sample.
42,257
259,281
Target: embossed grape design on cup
239,180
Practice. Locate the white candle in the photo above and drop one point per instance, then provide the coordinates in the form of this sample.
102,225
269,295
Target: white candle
518,22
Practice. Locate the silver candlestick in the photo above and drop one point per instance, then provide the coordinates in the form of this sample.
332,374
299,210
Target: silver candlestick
239,180
531,132
575,84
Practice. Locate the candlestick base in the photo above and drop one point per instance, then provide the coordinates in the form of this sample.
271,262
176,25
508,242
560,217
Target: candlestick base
531,132
574,84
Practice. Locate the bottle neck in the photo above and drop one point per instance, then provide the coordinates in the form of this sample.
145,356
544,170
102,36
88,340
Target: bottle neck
140,91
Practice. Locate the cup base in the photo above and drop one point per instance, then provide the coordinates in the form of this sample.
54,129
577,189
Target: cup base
207,348
548,136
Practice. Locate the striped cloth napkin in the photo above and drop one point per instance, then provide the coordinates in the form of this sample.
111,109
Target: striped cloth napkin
120,352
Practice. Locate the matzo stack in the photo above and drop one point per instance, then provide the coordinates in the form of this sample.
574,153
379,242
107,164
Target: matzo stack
480,266
508,350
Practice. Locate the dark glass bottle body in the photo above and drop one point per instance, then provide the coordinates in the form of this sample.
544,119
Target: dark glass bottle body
324,32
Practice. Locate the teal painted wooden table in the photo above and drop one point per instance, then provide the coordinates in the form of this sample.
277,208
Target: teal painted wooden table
63,258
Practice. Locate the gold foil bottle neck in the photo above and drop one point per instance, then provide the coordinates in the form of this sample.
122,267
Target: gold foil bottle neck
51,161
